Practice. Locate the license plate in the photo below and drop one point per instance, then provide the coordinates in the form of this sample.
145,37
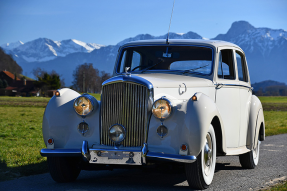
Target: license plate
116,157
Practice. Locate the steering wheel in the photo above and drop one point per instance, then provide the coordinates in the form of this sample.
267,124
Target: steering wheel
137,67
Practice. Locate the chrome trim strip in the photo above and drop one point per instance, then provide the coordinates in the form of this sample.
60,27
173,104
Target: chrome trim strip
129,78
60,152
171,157
238,85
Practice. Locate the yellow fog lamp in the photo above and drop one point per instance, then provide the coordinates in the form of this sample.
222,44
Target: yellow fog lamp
161,108
84,105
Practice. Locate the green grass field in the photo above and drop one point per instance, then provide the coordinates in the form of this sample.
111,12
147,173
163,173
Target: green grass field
21,132
20,142
278,99
274,103
277,187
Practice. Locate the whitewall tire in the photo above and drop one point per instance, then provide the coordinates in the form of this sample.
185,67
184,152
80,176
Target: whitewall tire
250,160
200,173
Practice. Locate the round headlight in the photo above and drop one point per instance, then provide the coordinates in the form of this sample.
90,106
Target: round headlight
117,133
161,109
83,105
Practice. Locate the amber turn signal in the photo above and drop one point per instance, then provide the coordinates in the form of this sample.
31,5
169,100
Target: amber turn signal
57,94
194,98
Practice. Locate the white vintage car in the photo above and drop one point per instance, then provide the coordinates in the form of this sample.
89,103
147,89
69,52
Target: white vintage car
176,101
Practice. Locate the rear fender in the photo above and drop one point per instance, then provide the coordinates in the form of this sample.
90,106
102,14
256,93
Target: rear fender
256,118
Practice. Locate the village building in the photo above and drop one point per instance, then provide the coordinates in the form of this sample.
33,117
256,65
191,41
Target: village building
17,86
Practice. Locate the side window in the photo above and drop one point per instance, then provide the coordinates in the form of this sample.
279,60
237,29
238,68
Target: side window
241,67
136,59
225,66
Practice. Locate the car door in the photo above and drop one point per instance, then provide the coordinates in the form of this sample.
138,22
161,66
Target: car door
245,94
227,96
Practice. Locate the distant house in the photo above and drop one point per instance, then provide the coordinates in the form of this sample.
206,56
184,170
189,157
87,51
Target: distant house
17,86
8,76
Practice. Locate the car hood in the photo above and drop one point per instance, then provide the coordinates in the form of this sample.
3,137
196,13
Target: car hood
163,80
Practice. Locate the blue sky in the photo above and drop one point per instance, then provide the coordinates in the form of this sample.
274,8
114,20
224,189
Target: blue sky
110,21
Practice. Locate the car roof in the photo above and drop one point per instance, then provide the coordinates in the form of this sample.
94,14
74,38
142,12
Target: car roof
202,42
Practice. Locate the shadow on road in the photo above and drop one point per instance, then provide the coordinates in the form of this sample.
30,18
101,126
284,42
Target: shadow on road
8,173
226,166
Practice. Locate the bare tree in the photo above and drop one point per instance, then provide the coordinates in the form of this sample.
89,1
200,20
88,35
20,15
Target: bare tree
105,76
86,78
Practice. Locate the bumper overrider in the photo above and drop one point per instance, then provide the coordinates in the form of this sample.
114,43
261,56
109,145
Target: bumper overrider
116,156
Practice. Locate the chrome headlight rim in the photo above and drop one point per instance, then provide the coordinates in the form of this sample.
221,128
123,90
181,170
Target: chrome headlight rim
87,96
124,133
170,105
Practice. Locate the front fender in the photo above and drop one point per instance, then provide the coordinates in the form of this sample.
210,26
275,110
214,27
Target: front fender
200,114
188,124
60,121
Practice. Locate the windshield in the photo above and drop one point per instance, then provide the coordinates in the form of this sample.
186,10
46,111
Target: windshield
185,59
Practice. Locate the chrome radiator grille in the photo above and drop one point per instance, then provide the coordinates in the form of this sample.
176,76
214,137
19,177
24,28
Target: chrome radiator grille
124,103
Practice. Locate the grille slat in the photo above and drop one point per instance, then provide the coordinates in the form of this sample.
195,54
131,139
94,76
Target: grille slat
124,103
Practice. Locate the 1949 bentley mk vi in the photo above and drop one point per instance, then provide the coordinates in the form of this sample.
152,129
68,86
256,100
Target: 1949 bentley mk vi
177,101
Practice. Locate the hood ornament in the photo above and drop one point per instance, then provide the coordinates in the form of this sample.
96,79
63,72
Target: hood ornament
126,71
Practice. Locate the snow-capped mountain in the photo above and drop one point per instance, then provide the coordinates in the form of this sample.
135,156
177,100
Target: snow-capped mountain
10,46
265,49
189,35
254,39
43,49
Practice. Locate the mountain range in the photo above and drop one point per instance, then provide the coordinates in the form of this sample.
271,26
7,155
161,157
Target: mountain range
265,49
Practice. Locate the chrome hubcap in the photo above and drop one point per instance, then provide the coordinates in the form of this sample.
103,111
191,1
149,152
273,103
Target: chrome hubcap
208,155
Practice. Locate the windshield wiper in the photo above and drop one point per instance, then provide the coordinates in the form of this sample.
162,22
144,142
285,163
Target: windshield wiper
191,70
160,61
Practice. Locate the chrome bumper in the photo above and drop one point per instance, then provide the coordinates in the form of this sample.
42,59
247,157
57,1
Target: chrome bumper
116,156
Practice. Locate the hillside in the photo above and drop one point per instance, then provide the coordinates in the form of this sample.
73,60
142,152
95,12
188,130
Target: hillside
9,64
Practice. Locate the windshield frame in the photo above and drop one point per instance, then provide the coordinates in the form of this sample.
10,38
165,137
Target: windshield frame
118,62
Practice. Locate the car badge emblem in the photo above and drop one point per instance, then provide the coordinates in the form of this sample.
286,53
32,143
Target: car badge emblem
126,71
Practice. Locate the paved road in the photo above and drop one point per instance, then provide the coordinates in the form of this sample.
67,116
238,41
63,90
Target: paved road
229,175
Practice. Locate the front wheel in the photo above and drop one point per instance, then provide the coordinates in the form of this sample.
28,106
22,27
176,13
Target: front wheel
64,169
200,173
250,160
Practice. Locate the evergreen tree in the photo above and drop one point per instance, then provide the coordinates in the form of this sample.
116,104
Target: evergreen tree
52,82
